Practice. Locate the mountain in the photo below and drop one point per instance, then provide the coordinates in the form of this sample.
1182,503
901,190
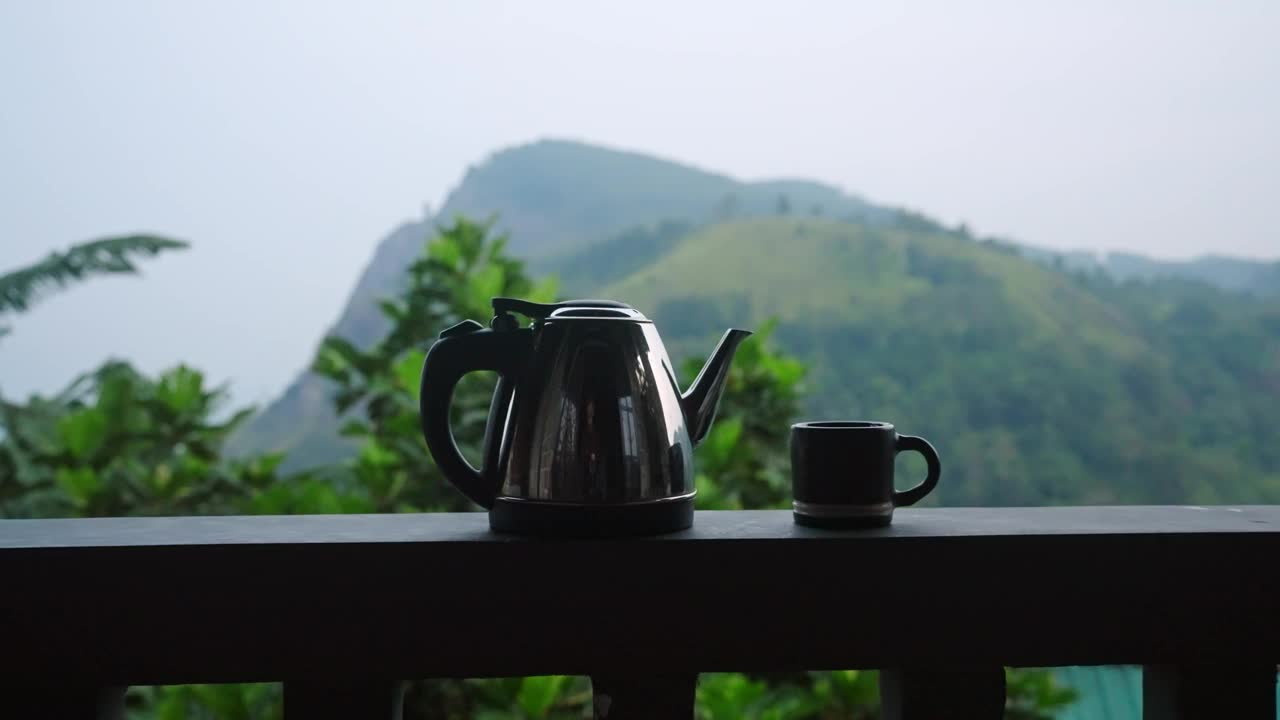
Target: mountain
555,198
558,195
1038,384
1252,276
301,420
1258,277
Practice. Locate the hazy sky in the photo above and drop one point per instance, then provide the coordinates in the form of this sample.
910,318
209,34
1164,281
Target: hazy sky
284,139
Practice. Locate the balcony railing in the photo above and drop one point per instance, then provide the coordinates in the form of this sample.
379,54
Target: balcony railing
344,608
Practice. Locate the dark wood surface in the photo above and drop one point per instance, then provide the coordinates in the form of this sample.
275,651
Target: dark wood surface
963,693
1191,692
343,699
710,525
167,600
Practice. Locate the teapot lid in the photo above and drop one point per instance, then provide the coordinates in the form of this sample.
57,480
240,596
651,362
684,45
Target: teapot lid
587,309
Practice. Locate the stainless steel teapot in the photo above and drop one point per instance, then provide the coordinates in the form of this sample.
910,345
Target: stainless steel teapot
588,432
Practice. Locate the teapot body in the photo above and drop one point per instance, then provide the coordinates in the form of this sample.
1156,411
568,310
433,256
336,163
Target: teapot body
588,432
595,419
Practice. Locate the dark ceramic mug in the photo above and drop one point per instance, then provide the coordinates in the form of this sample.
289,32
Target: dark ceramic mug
842,473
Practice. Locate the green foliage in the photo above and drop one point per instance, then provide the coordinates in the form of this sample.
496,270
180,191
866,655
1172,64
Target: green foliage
834,695
847,693
115,442
1035,695
743,462
22,288
839,695
258,701
551,697
538,695
730,696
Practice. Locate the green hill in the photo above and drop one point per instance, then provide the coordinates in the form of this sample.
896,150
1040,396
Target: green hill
1038,386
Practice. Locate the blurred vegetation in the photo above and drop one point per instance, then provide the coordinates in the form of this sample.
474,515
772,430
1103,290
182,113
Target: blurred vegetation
116,442
22,288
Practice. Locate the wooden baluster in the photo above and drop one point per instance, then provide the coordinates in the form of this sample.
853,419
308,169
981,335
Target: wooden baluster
939,694
643,697
73,702
343,700
1190,692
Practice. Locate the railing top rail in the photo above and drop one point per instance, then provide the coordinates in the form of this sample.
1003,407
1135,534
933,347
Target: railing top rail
163,600
711,525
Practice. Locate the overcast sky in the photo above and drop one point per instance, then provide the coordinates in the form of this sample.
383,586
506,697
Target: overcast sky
284,139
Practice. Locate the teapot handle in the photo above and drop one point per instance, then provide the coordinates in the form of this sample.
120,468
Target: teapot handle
450,358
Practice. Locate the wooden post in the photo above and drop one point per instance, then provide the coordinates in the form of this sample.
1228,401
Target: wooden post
975,693
73,702
343,700
643,697
1190,692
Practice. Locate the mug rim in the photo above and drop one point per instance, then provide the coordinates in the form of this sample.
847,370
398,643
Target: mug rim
842,425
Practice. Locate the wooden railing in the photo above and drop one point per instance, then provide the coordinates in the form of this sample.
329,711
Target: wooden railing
344,608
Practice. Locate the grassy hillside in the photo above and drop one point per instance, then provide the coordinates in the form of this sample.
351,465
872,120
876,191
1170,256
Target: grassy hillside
1037,386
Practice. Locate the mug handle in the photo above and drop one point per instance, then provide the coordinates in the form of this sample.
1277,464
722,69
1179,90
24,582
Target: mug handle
917,493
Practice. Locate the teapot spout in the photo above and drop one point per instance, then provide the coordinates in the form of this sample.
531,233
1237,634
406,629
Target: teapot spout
699,403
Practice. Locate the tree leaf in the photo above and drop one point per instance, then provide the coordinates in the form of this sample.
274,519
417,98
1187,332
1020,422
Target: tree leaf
83,432
355,428
445,250
538,694
720,443
376,455
408,371
79,484
485,285
337,357
182,389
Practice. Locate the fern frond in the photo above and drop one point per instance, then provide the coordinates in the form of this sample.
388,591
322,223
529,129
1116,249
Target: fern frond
22,288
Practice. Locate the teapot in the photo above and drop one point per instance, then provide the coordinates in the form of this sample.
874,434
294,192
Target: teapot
588,433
